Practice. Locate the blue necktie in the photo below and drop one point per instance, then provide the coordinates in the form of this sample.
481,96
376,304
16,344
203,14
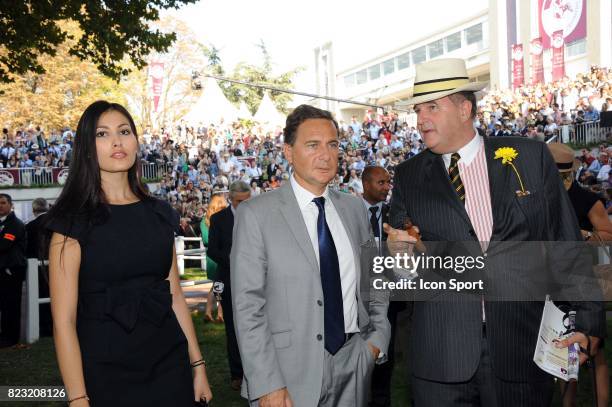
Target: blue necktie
330,282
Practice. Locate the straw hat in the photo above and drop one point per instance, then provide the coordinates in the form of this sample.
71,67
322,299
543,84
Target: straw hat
441,77
564,157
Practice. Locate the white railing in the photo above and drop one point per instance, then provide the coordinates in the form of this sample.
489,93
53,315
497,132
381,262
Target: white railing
58,176
36,176
584,133
155,170
189,254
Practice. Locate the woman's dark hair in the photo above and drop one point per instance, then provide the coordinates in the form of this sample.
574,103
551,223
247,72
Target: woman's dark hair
82,195
299,116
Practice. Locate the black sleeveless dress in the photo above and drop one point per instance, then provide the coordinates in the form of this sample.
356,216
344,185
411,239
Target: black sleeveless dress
133,349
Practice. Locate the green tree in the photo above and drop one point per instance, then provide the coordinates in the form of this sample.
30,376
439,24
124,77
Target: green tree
263,75
214,60
109,31
57,98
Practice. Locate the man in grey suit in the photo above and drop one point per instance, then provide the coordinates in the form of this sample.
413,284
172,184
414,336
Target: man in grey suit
307,334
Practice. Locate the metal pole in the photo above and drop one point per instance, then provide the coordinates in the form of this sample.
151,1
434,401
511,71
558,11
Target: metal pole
293,92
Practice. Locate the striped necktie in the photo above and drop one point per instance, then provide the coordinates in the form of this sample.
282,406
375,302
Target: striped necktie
453,173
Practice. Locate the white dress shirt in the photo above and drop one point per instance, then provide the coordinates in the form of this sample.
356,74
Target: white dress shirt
346,257
467,152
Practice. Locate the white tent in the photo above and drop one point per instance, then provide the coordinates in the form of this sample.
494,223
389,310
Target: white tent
267,112
243,111
212,106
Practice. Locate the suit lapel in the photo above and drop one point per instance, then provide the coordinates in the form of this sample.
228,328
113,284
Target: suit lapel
351,230
295,221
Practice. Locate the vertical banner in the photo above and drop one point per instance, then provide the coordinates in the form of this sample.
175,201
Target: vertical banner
537,61
566,15
558,56
518,68
157,74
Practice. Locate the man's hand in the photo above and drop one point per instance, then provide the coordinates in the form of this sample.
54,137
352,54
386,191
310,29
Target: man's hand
278,398
398,235
583,342
375,351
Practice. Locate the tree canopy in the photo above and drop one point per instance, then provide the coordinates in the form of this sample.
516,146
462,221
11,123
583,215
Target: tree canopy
257,74
108,32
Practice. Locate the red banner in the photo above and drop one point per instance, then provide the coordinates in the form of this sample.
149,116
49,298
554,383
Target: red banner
157,73
566,15
558,56
518,68
537,61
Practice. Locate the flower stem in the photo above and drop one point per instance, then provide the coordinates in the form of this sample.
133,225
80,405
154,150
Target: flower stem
518,176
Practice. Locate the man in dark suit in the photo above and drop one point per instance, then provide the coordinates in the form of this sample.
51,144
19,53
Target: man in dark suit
469,350
219,248
376,186
34,250
13,267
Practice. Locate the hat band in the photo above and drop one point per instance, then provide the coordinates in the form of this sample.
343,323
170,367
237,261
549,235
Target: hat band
565,166
439,85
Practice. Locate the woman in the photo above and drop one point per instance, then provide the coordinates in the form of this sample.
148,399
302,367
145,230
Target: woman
217,202
123,332
594,225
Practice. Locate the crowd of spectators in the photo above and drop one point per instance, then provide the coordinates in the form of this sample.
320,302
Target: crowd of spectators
193,163
539,111
200,162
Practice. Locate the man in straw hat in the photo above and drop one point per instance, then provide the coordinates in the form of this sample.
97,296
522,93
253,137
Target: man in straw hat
467,349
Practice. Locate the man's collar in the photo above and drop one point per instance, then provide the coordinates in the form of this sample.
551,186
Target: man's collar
369,205
304,196
467,152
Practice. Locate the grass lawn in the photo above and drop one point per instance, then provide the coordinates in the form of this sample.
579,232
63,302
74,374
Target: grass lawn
194,274
37,367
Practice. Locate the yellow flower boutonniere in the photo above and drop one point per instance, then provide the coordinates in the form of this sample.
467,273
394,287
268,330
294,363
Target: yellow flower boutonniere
507,155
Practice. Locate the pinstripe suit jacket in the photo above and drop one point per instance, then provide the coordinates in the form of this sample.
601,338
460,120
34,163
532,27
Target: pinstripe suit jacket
447,334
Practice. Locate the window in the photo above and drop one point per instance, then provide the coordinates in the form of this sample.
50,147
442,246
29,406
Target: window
577,47
388,66
349,80
403,61
473,34
419,55
374,72
362,77
436,48
453,42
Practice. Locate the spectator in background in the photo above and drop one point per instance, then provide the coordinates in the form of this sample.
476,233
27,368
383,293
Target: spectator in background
219,248
216,204
35,250
13,266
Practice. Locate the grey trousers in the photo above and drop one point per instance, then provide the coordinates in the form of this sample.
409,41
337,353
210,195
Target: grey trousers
347,375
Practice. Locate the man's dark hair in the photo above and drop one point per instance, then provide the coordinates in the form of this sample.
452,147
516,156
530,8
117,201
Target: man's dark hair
366,175
465,95
300,115
7,197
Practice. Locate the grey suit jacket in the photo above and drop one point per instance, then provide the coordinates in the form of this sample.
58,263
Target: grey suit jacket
277,295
